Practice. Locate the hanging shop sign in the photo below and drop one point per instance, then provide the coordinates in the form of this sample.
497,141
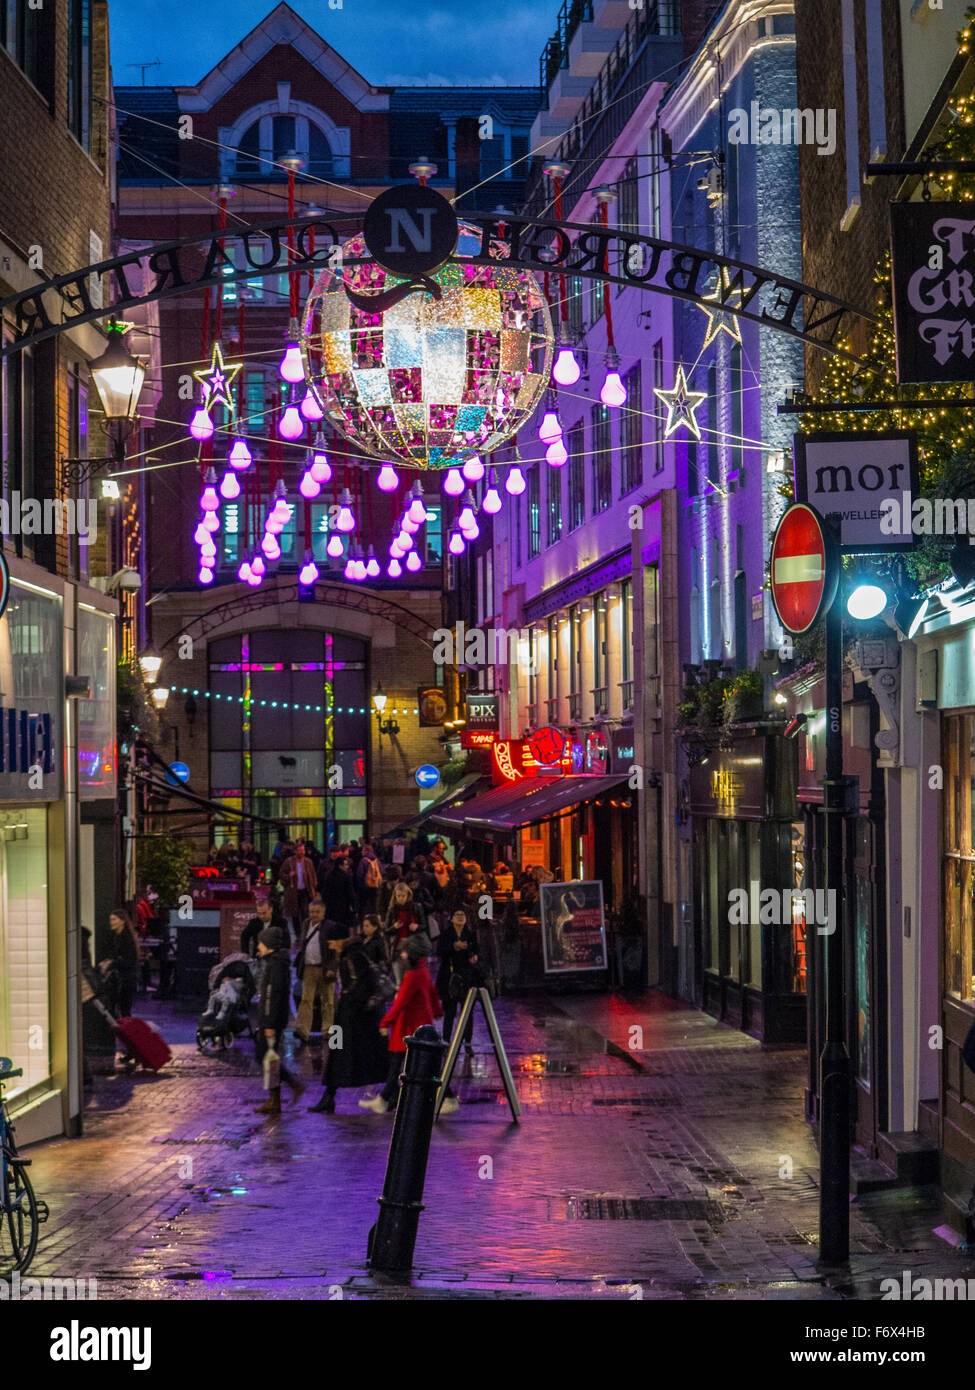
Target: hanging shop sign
933,254
410,230
804,568
573,926
547,745
432,704
482,712
865,484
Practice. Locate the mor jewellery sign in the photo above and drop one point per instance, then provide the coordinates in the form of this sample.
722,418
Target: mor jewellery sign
933,250
848,479
683,272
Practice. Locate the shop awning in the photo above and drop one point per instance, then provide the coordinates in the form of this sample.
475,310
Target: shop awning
468,786
506,809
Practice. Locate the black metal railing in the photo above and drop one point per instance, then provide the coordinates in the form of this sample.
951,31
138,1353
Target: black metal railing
555,54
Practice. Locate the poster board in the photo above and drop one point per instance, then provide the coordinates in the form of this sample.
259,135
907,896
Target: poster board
233,919
532,852
573,926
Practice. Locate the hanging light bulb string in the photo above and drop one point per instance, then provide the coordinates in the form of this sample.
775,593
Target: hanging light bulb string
222,226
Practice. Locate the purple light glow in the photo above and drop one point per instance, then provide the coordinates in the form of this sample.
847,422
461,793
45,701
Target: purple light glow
566,370
205,576
372,565
613,392
292,368
210,502
417,509
387,481
456,544
309,570
394,569
515,482
201,426
413,562
321,469
270,546
240,456
211,522
201,535
310,407
244,572
334,547
473,469
229,487
492,501
550,428
258,566
291,425
470,533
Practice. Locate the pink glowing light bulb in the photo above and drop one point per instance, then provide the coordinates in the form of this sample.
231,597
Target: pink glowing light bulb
515,483
492,498
372,565
321,469
208,551
394,569
205,576
334,547
413,562
453,484
417,508
310,407
410,527
566,370
466,518
471,533
309,570
270,546
211,522
258,566
292,368
209,501
201,535
550,428
473,469
291,425
456,544
229,487
556,453
240,456
201,426
405,541
349,571
387,481
254,580
613,392
345,521
309,486
244,572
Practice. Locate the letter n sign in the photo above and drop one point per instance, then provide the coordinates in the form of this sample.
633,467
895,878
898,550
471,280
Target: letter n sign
410,230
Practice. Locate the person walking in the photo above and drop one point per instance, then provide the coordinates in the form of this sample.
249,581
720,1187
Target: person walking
121,965
265,916
362,1059
403,916
275,1008
416,1003
338,893
368,878
300,884
457,950
316,968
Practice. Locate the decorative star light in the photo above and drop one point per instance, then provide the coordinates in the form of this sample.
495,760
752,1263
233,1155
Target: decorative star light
722,319
681,405
217,381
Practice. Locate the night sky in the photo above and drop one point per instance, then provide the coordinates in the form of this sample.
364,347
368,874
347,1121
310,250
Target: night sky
390,42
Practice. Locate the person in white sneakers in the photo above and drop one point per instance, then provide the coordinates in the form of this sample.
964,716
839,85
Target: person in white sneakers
416,1003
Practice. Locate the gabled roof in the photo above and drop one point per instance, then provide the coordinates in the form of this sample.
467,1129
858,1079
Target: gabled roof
282,26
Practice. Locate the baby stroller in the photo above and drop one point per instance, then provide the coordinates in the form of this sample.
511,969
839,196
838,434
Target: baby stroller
227,1014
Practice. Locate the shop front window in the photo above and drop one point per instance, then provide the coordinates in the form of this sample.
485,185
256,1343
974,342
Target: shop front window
959,882
24,1008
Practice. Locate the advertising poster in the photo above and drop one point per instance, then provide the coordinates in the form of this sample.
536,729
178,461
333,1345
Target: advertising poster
573,926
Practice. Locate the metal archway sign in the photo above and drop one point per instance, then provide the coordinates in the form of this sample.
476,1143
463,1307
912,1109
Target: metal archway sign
252,251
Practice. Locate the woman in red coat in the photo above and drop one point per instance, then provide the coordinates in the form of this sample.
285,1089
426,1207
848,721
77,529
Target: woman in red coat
416,1003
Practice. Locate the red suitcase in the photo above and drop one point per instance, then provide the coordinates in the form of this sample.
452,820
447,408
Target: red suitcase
146,1044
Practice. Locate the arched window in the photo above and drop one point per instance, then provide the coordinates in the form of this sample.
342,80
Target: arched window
249,149
319,153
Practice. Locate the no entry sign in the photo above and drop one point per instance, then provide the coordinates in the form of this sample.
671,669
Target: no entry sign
805,568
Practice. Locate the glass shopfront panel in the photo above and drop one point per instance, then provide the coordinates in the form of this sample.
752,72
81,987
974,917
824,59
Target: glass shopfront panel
24,998
959,864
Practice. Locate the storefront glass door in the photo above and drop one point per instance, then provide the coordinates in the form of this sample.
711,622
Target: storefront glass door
24,986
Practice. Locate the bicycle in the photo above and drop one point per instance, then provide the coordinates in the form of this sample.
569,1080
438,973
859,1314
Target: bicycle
21,1214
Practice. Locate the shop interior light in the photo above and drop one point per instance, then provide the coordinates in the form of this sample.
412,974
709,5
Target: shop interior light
867,599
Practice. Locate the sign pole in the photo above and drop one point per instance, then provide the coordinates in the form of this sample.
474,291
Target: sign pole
834,1062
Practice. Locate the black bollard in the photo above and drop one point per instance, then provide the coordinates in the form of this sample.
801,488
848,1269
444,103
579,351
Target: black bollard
393,1237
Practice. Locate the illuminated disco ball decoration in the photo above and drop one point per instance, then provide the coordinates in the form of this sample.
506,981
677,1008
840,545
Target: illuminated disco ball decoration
428,381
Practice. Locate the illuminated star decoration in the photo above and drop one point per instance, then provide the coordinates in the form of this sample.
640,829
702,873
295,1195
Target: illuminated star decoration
217,381
681,405
721,319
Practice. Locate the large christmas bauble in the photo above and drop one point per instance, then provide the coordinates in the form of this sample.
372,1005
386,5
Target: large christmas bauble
429,381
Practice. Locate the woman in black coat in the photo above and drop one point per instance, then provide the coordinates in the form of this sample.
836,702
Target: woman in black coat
457,949
275,1010
122,963
362,1058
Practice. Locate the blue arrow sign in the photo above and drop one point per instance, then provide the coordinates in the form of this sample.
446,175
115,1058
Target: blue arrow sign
427,775
178,773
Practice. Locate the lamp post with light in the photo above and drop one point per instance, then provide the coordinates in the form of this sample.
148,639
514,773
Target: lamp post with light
386,726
